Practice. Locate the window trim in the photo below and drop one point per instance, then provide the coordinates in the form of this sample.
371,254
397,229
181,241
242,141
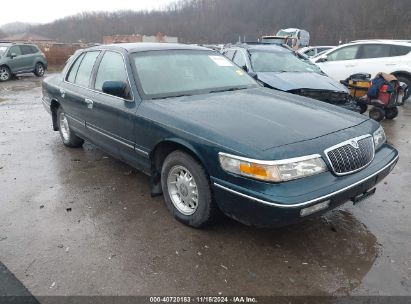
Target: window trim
94,73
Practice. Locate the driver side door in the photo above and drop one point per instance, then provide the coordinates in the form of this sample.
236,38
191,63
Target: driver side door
341,63
16,64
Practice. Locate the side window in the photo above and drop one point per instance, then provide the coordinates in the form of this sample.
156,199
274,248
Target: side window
34,49
346,53
71,77
229,54
310,52
239,59
26,50
369,51
112,68
86,67
400,50
15,49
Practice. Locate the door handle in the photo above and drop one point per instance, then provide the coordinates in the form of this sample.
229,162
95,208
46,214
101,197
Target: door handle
350,65
89,103
390,64
62,93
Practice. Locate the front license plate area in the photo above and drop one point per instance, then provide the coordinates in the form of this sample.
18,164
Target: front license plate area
363,196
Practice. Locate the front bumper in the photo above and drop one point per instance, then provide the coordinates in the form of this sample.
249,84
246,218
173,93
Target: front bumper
265,210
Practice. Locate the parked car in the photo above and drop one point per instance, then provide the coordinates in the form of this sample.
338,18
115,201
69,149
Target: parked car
369,56
211,138
21,58
279,68
312,51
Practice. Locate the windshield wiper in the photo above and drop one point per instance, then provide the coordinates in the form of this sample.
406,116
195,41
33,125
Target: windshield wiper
229,89
173,96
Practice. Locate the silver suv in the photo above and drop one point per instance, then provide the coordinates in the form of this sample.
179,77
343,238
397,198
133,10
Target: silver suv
21,58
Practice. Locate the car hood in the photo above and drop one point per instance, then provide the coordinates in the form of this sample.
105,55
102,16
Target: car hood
289,81
258,118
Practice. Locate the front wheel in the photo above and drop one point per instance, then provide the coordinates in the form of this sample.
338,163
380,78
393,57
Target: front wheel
377,114
69,138
186,190
5,73
39,70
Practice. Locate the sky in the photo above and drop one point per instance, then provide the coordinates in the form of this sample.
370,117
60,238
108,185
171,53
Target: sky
44,11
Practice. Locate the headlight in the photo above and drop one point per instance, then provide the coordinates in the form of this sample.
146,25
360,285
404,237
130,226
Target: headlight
273,171
379,138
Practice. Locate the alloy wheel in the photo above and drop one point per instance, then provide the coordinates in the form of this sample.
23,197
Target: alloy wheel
183,190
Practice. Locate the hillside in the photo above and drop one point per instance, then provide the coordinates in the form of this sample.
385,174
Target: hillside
218,21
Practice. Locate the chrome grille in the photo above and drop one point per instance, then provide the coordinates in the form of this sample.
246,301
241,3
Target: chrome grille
351,155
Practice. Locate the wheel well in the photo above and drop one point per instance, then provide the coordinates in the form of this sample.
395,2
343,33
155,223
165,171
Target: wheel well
158,155
402,74
5,65
53,107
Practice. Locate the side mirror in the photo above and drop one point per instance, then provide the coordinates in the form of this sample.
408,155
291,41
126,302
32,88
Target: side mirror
244,67
116,88
322,59
12,55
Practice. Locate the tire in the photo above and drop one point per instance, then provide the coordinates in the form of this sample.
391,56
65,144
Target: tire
363,108
377,113
180,175
69,138
391,113
407,81
5,73
39,70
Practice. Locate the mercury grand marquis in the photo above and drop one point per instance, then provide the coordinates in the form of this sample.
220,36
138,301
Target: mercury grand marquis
211,138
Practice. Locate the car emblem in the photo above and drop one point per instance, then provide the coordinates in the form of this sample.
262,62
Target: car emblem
354,144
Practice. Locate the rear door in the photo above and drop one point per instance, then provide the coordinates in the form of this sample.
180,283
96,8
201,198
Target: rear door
75,92
375,58
111,120
28,57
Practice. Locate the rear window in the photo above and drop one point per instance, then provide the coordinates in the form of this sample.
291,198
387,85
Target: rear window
80,71
369,51
400,50
26,49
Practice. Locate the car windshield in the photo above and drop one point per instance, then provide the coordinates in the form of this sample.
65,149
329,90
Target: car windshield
2,50
283,33
174,73
279,62
273,40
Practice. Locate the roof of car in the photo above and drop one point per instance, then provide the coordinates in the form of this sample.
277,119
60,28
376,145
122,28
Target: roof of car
383,41
262,47
145,46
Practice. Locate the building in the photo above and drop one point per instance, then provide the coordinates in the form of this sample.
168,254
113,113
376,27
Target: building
28,37
160,37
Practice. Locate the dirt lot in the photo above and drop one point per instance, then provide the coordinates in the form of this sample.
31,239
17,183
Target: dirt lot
77,222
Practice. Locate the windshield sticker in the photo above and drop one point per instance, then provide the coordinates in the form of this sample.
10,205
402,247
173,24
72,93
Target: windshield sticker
221,61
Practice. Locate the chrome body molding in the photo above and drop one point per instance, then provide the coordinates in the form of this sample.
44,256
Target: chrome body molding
315,200
94,129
